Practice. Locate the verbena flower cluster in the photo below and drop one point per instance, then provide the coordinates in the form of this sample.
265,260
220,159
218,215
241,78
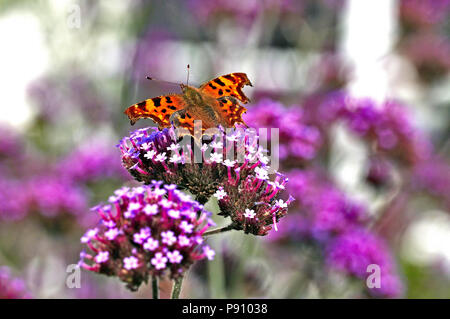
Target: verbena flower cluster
353,251
417,14
338,225
12,288
56,189
147,231
298,140
207,11
231,166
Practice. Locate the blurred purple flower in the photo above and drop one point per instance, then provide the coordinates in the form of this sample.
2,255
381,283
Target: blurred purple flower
353,251
298,141
11,288
13,199
51,196
91,162
430,53
423,13
433,177
243,11
325,211
146,231
78,93
387,126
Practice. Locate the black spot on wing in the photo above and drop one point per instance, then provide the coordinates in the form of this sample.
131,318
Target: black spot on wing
229,77
156,101
218,81
220,92
212,86
142,105
168,99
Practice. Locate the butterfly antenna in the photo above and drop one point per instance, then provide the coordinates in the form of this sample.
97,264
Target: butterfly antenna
161,81
187,81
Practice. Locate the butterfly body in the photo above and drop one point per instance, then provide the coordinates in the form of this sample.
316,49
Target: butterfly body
214,103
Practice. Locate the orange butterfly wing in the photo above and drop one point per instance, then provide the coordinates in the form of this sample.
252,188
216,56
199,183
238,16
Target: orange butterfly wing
159,109
231,110
227,85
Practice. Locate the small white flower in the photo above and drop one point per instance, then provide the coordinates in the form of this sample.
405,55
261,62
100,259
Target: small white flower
186,227
232,138
183,241
166,203
159,191
134,206
280,203
130,263
112,233
173,147
215,144
220,194
168,238
204,148
89,235
175,158
209,253
175,214
145,146
151,244
151,209
102,257
161,157
216,157
249,213
261,173
150,154
174,257
264,159
229,163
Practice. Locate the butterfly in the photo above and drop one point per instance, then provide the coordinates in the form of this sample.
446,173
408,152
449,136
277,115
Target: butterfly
215,103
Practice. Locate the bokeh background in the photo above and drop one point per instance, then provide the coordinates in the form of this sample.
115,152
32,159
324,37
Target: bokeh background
359,91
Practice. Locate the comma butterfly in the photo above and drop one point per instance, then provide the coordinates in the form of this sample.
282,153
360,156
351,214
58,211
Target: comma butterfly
214,103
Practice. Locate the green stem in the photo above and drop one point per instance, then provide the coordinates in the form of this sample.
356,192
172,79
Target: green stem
176,289
155,288
218,230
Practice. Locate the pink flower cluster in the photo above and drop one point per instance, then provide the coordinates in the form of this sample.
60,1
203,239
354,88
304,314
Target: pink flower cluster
147,230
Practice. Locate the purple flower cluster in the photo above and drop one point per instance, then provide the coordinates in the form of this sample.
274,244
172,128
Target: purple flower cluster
30,182
91,162
231,166
13,200
298,140
353,252
11,288
78,94
336,223
433,177
430,53
147,230
387,126
51,196
326,211
423,13
244,12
